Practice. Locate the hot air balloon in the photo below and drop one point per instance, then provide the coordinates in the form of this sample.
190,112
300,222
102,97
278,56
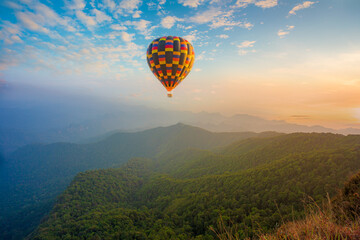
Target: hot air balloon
170,58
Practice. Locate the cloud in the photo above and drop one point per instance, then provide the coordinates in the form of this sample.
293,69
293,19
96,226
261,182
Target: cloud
9,58
101,16
84,58
28,21
301,116
122,8
137,14
223,36
169,21
143,26
118,27
127,37
10,33
258,3
191,3
191,37
246,44
13,5
300,6
75,4
130,5
282,33
244,47
225,19
266,3
88,21
206,16
218,18
43,16
243,3
184,27
109,4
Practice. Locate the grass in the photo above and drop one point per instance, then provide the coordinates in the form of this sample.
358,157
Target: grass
319,223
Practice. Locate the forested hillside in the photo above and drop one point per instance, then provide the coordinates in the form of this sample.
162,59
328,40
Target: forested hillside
32,177
255,184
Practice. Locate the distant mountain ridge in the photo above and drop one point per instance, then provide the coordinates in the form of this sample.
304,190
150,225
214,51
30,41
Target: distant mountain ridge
52,116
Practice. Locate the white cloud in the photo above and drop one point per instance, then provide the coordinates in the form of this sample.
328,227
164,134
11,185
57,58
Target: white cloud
101,16
143,26
184,27
206,16
282,33
16,38
225,20
291,27
137,14
258,3
9,58
75,4
27,20
300,6
110,4
118,27
130,5
10,33
243,3
223,36
191,37
43,16
218,19
266,3
246,44
169,21
191,3
127,37
88,21
122,8
244,47
13,5
201,56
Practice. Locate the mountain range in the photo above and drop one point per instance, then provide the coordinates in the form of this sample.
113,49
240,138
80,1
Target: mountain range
32,176
254,184
36,115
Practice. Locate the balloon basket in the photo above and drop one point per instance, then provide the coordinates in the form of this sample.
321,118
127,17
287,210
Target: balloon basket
169,95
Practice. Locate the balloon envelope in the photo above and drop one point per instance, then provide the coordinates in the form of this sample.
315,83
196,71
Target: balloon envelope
170,58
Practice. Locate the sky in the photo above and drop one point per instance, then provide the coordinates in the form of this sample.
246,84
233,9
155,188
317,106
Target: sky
291,60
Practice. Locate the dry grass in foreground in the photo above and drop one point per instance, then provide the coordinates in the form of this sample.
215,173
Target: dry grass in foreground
320,224
338,219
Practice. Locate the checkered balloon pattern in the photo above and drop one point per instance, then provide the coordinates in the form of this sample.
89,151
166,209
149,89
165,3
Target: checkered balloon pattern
170,59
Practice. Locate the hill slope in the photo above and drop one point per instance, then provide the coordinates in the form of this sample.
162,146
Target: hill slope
255,183
336,219
34,175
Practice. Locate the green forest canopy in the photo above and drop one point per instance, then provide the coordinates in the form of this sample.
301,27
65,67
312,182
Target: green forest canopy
255,184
